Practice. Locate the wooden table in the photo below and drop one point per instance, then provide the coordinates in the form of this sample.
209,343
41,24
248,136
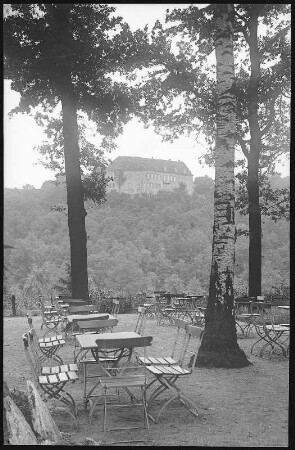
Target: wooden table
88,342
101,316
72,319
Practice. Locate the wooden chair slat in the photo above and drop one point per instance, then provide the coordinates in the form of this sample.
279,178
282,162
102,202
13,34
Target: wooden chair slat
155,369
63,377
53,379
46,370
43,379
72,375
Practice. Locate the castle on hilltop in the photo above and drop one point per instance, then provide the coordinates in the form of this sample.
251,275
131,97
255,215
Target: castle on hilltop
134,175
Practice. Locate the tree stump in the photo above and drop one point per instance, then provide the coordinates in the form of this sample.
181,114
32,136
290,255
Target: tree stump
19,431
43,424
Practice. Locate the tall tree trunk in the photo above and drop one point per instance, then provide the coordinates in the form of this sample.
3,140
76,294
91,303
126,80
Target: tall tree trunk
75,199
255,231
219,347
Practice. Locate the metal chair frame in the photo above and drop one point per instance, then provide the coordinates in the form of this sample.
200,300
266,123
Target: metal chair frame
167,375
52,380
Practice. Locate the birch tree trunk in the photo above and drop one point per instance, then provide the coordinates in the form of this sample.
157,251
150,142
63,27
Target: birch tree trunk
219,347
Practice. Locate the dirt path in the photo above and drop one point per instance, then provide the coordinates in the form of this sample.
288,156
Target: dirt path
238,407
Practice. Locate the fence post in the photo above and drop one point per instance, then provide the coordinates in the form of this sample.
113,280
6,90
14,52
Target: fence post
13,305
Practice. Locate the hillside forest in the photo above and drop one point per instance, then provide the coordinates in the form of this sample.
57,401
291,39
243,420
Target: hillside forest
134,244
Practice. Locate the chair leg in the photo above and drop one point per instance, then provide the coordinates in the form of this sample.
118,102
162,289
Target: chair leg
105,411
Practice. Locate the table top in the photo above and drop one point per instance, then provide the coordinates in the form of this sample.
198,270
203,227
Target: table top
87,340
284,307
277,327
74,301
94,316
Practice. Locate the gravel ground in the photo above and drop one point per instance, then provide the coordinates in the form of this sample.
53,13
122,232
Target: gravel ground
245,407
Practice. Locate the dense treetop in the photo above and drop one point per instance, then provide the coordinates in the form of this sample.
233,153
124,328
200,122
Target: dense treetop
134,243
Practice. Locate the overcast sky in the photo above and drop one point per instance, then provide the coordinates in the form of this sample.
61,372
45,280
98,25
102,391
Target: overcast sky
21,133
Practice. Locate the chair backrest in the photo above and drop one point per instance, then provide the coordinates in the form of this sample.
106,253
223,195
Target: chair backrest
115,307
140,322
189,355
122,350
96,325
179,339
83,309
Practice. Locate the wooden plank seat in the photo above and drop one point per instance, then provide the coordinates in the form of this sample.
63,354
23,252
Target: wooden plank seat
52,380
59,369
177,348
166,376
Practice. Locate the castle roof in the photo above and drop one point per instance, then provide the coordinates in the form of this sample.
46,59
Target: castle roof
135,163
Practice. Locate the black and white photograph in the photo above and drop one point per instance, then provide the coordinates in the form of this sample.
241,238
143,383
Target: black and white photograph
146,224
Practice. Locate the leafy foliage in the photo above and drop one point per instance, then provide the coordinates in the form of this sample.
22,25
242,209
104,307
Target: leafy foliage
138,243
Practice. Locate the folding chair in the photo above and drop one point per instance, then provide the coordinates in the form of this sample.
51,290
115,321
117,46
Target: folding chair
48,346
177,348
50,318
124,376
141,317
167,375
115,307
51,381
164,311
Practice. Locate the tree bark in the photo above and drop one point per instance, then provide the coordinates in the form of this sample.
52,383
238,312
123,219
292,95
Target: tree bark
219,347
75,199
255,231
